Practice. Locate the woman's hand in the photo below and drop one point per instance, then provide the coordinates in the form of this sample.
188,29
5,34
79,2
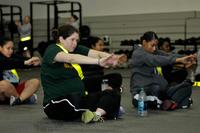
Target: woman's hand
35,61
17,23
106,61
113,60
188,61
119,60
122,58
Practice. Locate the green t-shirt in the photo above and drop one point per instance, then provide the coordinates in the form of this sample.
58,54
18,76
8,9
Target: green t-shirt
60,79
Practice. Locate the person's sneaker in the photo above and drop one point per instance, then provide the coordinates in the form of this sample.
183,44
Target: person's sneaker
89,116
97,118
169,105
187,103
190,102
31,100
121,112
14,101
189,81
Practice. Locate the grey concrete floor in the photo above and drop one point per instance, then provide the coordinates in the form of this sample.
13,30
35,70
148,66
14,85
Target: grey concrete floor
31,119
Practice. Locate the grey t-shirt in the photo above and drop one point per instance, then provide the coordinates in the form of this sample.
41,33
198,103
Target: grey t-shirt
25,30
143,69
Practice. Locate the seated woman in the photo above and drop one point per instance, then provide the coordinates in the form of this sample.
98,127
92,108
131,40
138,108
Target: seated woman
10,86
197,71
173,73
160,94
65,97
94,74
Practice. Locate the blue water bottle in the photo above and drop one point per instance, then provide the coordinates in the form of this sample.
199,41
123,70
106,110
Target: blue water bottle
142,104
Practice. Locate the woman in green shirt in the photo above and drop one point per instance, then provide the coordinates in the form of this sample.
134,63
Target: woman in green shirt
61,76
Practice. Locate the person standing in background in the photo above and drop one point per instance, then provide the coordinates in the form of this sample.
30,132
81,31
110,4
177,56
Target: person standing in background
25,45
73,20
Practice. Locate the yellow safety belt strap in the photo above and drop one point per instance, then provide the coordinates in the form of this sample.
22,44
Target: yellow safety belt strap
196,83
25,38
76,66
159,70
15,73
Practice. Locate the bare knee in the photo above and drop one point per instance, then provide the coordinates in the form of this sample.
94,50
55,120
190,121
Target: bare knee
4,86
7,89
34,82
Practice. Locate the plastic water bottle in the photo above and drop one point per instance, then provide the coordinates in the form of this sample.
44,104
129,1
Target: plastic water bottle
192,75
142,104
104,84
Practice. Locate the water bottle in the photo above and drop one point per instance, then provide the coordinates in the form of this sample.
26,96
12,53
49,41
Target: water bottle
192,75
104,84
142,104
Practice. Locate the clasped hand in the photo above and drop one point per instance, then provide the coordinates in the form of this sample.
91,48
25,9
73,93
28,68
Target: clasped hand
189,60
113,60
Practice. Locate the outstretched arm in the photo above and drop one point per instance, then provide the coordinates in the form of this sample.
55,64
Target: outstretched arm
118,59
81,59
188,61
97,54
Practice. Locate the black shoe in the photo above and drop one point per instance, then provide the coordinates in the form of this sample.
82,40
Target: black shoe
186,103
14,101
189,81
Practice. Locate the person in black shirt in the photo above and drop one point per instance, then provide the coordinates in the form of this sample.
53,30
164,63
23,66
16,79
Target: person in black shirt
94,74
10,86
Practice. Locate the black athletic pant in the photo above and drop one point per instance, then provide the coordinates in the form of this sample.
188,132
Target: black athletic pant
72,106
93,83
174,75
24,44
180,92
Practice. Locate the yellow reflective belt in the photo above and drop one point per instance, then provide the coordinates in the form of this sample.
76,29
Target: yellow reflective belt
25,38
15,73
76,66
159,70
196,83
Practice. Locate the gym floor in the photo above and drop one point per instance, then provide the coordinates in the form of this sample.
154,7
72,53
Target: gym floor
31,118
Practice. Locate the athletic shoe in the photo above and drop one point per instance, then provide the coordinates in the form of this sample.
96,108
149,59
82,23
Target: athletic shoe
89,116
187,103
121,112
169,105
14,101
190,102
31,100
189,81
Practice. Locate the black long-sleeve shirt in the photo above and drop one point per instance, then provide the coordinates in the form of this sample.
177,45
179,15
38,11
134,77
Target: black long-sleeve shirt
14,62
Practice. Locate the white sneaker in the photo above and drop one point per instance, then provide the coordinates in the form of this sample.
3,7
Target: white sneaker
14,101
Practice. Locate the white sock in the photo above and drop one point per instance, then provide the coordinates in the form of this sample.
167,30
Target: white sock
98,113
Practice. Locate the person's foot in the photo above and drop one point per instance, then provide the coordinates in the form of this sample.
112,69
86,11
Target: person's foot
190,102
189,81
14,101
89,116
187,103
121,112
169,105
31,100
